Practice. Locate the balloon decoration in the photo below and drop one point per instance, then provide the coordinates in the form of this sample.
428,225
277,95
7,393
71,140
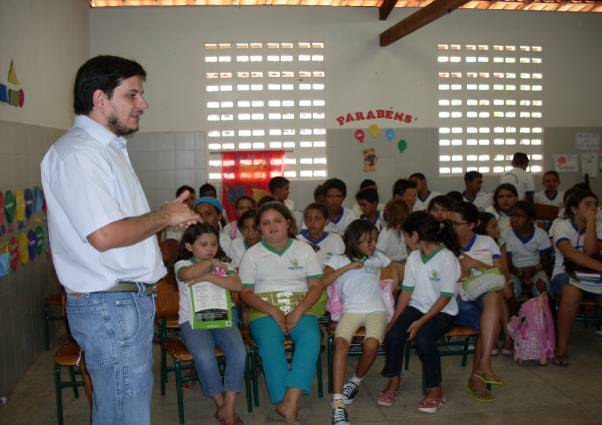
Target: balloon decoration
374,131
32,243
28,203
40,240
2,229
20,212
402,146
360,135
389,134
10,206
14,253
38,201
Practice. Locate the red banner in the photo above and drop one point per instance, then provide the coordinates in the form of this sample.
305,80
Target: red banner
248,173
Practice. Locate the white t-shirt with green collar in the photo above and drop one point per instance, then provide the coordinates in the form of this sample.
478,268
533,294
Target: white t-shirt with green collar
430,277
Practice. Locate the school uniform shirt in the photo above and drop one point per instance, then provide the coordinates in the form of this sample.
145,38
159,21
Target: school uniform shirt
236,250
267,269
339,225
185,303
527,252
543,199
392,244
360,288
520,179
482,200
431,277
566,230
503,219
231,230
328,244
482,248
423,203
379,223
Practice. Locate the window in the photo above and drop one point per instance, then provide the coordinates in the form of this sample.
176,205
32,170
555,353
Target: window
267,96
492,108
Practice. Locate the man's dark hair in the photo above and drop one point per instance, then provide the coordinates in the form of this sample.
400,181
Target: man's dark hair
520,158
367,183
369,194
335,184
181,190
208,190
101,73
472,175
418,175
401,186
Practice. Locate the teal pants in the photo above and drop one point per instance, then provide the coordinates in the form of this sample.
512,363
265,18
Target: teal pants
270,341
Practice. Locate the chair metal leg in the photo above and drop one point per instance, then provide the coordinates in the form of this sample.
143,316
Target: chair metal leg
179,394
319,375
73,381
248,388
330,357
465,351
59,394
163,370
254,376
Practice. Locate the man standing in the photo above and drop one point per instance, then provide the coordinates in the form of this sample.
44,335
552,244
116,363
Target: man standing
102,235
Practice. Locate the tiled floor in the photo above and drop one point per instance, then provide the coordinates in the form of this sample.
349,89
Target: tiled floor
531,395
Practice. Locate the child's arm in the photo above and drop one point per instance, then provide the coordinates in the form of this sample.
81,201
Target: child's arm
231,282
330,274
402,303
195,272
253,301
467,263
435,309
590,241
571,253
546,263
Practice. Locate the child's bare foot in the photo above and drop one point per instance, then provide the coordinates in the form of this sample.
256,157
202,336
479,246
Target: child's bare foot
288,414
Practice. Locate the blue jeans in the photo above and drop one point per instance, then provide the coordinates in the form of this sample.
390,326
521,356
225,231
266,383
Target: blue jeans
115,330
270,340
201,344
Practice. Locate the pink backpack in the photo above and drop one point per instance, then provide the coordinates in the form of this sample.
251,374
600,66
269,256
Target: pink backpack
533,331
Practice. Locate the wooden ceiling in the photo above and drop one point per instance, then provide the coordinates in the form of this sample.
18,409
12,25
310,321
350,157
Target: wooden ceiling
581,6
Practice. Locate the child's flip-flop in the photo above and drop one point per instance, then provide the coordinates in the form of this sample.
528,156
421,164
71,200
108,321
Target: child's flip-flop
488,379
560,360
386,398
482,396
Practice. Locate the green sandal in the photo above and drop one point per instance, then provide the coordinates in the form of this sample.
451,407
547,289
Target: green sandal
488,379
482,396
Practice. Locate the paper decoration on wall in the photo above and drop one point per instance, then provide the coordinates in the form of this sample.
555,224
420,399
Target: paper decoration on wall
376,114
14,253
9,95
4,260
360,135
32,244
38,201
40,240
23,248
2,229
589,164
587,141
10,205
374,131
402,146
370,160
389,134
20,210
565,163
28,203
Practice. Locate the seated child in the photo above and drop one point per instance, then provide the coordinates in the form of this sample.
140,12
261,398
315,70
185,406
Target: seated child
210,209
390,240
339,217
550,195
423,194
364,185
325,244
405,191
357,285
440,207
504,198
529,249
473,182
199,263
250,236
241,205
426,308
280,189
367,199
176,232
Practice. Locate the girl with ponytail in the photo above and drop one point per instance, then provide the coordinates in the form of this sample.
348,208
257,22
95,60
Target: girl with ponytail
427,306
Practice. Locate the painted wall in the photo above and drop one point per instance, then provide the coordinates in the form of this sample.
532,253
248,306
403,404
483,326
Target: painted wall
359,76
47,41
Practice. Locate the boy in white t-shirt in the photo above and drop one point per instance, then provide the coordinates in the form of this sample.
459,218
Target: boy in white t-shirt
335,192
423,194
550,195
518,176
367,199
325,244
473,181
528,248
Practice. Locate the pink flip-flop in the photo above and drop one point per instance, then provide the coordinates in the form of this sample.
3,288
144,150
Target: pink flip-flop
386,398
431,405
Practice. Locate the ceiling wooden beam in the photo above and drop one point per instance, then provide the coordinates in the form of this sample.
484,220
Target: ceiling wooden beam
385,9
418,19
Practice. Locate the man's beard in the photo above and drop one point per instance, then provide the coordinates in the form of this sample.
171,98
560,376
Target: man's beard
119,129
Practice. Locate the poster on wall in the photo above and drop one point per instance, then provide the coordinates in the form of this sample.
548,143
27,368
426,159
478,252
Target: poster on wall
565,163
370,160
587,141
589,164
